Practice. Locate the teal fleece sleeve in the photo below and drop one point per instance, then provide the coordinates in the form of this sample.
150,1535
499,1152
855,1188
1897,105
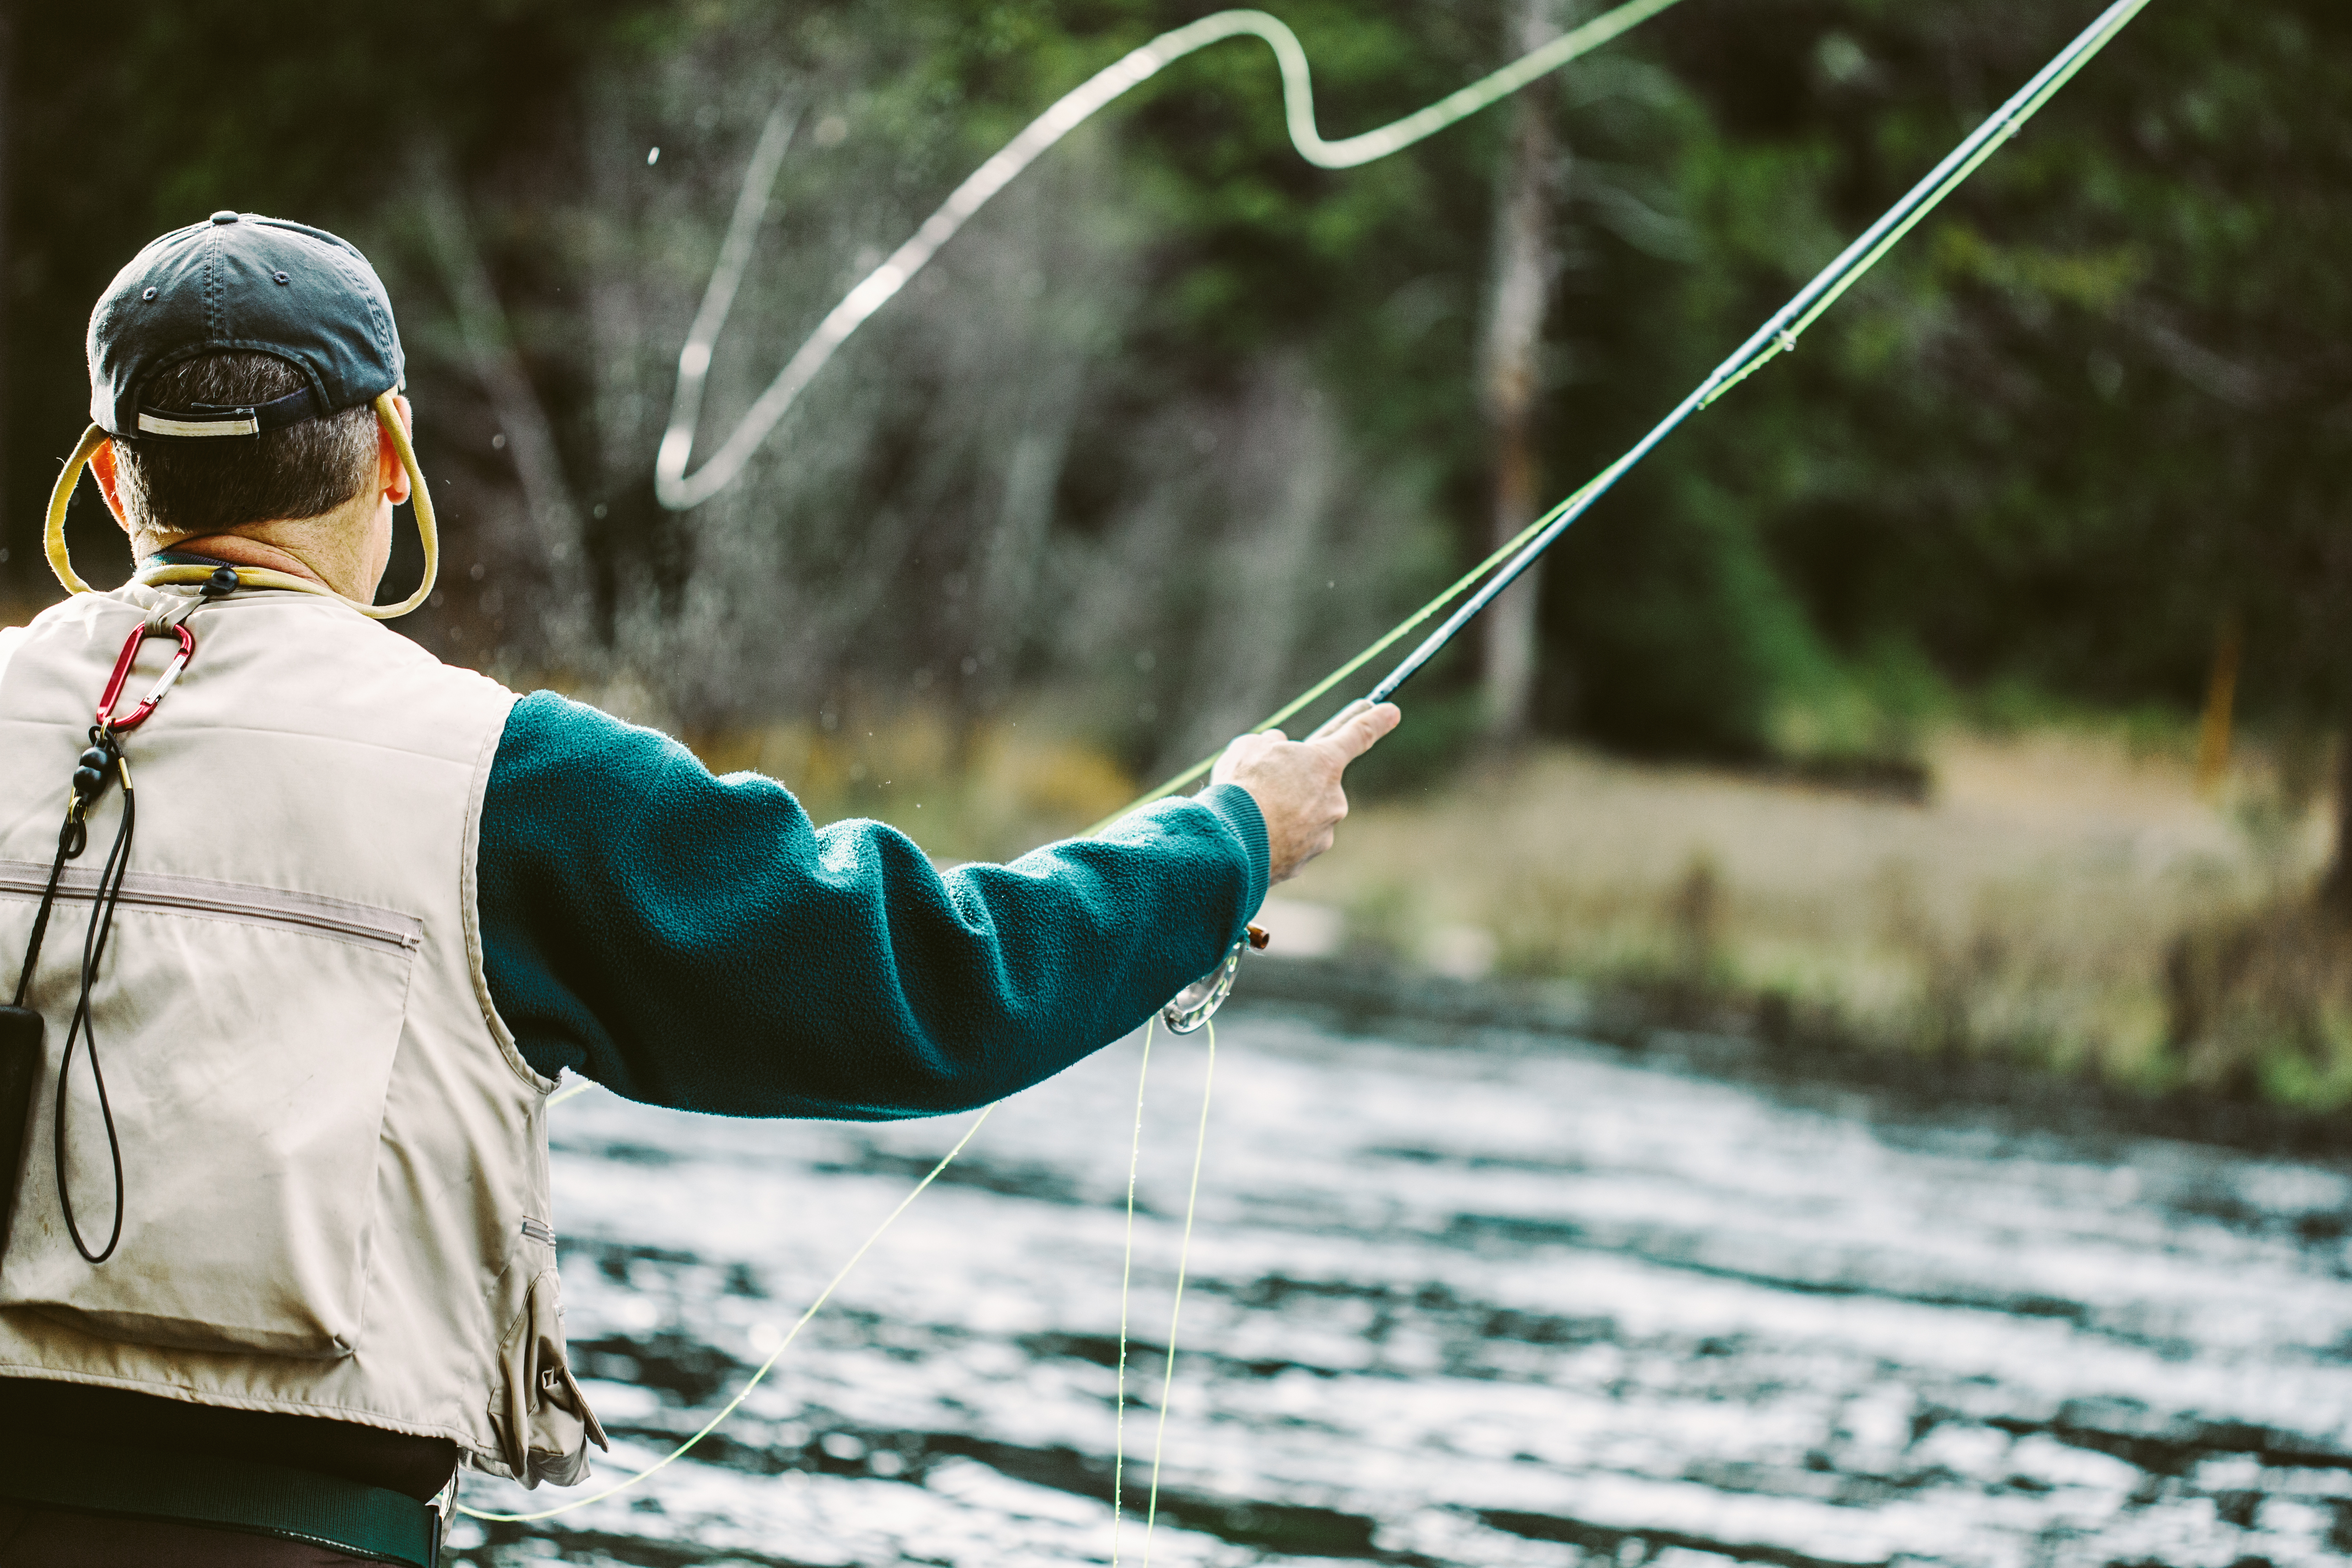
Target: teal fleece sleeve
698,942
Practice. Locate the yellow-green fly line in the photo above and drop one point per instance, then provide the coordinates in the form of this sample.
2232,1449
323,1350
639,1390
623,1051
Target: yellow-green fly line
1779,336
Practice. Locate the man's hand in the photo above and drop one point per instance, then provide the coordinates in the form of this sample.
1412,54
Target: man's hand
1296,782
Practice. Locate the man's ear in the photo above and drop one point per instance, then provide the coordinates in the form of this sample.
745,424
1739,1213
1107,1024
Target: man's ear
102,464
391,474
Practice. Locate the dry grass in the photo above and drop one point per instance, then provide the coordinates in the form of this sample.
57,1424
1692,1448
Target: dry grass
2059,898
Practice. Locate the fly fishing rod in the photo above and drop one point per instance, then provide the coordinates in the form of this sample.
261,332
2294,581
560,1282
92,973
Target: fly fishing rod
1775,337
1198,1002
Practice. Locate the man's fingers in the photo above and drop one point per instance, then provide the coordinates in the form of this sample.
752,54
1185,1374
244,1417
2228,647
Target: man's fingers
1363,727
1328,726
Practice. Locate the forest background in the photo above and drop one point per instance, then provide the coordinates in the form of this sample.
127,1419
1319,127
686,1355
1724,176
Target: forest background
1179,422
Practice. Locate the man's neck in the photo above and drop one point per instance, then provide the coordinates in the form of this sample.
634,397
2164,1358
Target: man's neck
238,550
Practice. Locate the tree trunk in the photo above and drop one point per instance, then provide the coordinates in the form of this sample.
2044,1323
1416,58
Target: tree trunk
1526,262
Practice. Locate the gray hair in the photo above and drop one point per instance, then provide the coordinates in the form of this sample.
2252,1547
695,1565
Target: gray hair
182,487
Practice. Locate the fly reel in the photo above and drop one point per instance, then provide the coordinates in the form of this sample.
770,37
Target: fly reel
1198,1003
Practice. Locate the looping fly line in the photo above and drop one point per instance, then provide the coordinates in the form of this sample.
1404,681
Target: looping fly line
678,489
1777,336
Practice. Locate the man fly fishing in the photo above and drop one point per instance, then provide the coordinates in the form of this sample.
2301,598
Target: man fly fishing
304,926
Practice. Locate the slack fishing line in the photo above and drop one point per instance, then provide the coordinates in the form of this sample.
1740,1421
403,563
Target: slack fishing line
1176,1303
1126,1278
1779,336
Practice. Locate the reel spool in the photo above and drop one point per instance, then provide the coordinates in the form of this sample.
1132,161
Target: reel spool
1198,1003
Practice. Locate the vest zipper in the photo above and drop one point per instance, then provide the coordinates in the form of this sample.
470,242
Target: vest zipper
311,914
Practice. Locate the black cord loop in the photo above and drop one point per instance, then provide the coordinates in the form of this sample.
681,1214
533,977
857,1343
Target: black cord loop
101,763
93,950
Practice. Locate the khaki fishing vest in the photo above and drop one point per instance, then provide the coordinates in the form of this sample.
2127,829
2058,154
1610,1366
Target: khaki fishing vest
334,1160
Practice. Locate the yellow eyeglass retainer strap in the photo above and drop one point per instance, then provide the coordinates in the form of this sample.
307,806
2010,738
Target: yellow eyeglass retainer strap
427,530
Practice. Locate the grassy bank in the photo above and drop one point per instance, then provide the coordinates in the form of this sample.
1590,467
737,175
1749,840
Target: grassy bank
2065,900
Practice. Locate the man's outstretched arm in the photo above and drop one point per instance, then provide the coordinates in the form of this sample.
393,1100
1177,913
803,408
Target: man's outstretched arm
699,942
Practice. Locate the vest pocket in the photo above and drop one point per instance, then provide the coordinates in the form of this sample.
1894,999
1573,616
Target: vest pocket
247,1035
541,1417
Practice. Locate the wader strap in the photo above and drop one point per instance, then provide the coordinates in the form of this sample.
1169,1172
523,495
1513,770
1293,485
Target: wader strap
227,1494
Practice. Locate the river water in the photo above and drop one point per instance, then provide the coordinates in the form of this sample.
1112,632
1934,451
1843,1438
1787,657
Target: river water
1489,1299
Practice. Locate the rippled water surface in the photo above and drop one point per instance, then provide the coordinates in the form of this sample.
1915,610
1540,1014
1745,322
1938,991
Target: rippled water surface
1499,1301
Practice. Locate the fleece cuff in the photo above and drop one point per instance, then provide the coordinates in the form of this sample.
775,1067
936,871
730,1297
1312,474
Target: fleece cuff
1237,808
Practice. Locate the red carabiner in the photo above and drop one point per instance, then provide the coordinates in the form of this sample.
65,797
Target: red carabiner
106,721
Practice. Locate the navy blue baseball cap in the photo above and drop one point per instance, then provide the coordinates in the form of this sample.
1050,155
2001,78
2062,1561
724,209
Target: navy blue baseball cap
240,281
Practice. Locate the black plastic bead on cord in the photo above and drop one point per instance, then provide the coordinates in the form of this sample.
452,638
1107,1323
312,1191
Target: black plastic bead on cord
221,583
93,772
89,778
